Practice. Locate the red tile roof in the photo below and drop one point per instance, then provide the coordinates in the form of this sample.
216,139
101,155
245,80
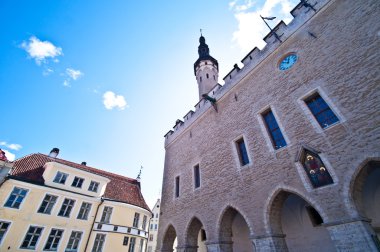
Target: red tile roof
120,188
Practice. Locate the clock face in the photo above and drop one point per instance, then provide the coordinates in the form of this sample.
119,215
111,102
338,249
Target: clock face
288,62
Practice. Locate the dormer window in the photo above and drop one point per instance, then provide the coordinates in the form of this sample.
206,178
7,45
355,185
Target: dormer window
77,182
93,186
60,178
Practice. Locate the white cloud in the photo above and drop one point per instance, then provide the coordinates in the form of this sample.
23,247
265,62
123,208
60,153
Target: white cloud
251,28
40,51
111,100
66,83
47,72
10,156
15,147
73,74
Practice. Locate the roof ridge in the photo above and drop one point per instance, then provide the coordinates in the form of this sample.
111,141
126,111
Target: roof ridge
87,168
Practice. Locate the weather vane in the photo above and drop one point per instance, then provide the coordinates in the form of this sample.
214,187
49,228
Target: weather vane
139,175
201,31
271,30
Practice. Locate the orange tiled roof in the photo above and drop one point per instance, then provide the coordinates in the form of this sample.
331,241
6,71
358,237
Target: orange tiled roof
120,188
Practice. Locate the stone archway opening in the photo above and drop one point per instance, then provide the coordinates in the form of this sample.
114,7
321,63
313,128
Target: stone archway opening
196,235
234,232
366,194
300,222
169,242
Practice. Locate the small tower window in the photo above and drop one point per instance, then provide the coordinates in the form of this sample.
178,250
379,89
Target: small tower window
207,76
214,77
177,187
316,170
242,152
200,78
197,177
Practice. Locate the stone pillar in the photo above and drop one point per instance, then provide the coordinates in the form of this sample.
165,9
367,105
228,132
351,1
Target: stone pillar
187,248
273,242
221,246
353,235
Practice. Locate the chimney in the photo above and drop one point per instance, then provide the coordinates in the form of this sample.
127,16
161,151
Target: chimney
54,153
84,163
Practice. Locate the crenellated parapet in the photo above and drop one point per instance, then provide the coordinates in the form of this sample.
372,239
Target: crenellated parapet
301,13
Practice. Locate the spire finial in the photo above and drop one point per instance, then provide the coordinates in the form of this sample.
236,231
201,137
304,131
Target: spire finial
201,32
139,175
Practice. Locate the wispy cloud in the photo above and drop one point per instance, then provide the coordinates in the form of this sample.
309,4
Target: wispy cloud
12,146
40,51
47,71
111,100
71,74
251,29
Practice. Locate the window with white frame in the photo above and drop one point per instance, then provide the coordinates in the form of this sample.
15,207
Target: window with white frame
66,208
106,215
84,211
93,186
74,240
47,204
136,220
31,238
53,240
60,178
141,245
4,225
144,222
125,241
132,245
17,196
98,243
77,182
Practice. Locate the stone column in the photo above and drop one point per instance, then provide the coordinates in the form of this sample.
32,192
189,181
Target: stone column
187,248
272,242
220,246
353,235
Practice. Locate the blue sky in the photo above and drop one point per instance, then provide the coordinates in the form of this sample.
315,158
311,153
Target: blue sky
105,80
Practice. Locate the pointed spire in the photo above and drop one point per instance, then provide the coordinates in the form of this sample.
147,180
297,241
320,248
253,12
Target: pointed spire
204,52
139,175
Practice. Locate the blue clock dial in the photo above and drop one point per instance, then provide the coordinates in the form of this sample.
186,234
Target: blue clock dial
288,62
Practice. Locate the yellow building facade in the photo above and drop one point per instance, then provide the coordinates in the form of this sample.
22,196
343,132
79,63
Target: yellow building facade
50,204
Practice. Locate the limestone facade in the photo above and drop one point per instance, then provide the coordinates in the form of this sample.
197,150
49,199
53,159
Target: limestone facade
270,203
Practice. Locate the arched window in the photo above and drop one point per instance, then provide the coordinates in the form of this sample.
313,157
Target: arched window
315,169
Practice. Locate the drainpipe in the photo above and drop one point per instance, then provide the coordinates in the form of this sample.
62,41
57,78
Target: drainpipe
92,226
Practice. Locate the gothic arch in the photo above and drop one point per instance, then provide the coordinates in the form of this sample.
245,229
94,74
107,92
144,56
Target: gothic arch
234,230
364,190
168,238
299,218
194,234
273,206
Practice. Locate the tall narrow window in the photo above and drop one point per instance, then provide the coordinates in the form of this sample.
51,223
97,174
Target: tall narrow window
53,240
274,131
16,197
73,244
84,211
106,215
207,76
31,237
242,151
321,111
197,178
98,243
141,245
66,208
132,245
315,169
3,229
144,222
136,220
47,204
60,178
77,182
177,187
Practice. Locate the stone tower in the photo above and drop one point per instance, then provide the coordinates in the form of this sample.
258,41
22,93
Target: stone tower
206,69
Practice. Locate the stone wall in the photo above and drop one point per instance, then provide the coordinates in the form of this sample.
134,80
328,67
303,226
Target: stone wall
341,61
